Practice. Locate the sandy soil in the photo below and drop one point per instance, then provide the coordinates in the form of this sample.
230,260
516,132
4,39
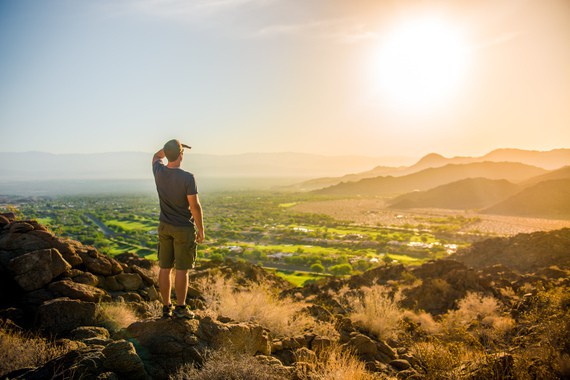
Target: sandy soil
373,212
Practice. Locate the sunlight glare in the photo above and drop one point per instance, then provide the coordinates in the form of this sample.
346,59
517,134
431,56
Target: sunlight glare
421,63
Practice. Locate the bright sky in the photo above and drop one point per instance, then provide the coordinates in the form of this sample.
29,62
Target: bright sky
332,77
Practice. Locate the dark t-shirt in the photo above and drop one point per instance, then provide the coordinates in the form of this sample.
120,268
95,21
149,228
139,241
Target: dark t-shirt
174,186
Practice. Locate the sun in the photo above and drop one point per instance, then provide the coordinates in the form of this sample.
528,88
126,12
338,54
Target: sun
421,63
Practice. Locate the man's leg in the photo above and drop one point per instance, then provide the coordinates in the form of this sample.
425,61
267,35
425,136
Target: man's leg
164,284
181,286
185,254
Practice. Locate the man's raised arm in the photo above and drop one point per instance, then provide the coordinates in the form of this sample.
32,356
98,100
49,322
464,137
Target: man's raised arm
158,156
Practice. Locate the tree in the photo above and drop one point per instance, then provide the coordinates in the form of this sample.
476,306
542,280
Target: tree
341,269
317,267
362,265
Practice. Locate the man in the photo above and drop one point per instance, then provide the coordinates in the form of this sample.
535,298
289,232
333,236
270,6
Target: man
180,227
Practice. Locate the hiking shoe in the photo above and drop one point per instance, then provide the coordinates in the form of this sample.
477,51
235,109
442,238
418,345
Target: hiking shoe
183,312
166,311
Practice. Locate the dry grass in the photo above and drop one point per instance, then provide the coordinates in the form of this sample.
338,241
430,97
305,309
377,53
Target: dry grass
376,311
116,316
332,363
439,360
222,365
481,316
423,321
21,350
256,303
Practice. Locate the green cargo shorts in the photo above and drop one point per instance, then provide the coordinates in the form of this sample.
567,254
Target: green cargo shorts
176,246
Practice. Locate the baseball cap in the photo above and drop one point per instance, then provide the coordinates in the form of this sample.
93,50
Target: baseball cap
173,148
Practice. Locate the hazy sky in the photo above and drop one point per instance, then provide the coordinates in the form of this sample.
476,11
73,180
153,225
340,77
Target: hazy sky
332,77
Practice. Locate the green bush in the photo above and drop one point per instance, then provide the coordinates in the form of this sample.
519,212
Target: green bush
341,269
319,268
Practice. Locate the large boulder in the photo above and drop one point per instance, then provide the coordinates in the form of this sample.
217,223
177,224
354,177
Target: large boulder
22,242
63,314
246,338
122,359
166,344
78,291
89,332
130,281
97,263
30,236
86,363
148,276
35,269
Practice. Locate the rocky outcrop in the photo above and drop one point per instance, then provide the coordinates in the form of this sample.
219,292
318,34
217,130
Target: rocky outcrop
36,266
165,344
444,282
36,269
120,357
525,253
63,314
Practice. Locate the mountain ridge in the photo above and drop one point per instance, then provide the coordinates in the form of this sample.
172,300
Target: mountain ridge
550,160
433,177
469,193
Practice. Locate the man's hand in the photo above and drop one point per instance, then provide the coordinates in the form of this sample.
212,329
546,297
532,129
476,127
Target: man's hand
200,236
196,210
158,156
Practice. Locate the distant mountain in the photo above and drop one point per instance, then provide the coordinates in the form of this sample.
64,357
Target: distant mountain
433,177
549,199
137,165
319,183
523,252
470,193
561,173
553,159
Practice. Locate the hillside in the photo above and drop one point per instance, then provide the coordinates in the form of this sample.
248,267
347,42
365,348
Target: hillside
549,199
433,177
470,193
70,311
526,253
562,173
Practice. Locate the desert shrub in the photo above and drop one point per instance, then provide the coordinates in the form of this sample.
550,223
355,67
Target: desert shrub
438,360
376,311
257,303
325,329
332,363
480,315
422,321
21,350
535,363
222,365
116,316
546,349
